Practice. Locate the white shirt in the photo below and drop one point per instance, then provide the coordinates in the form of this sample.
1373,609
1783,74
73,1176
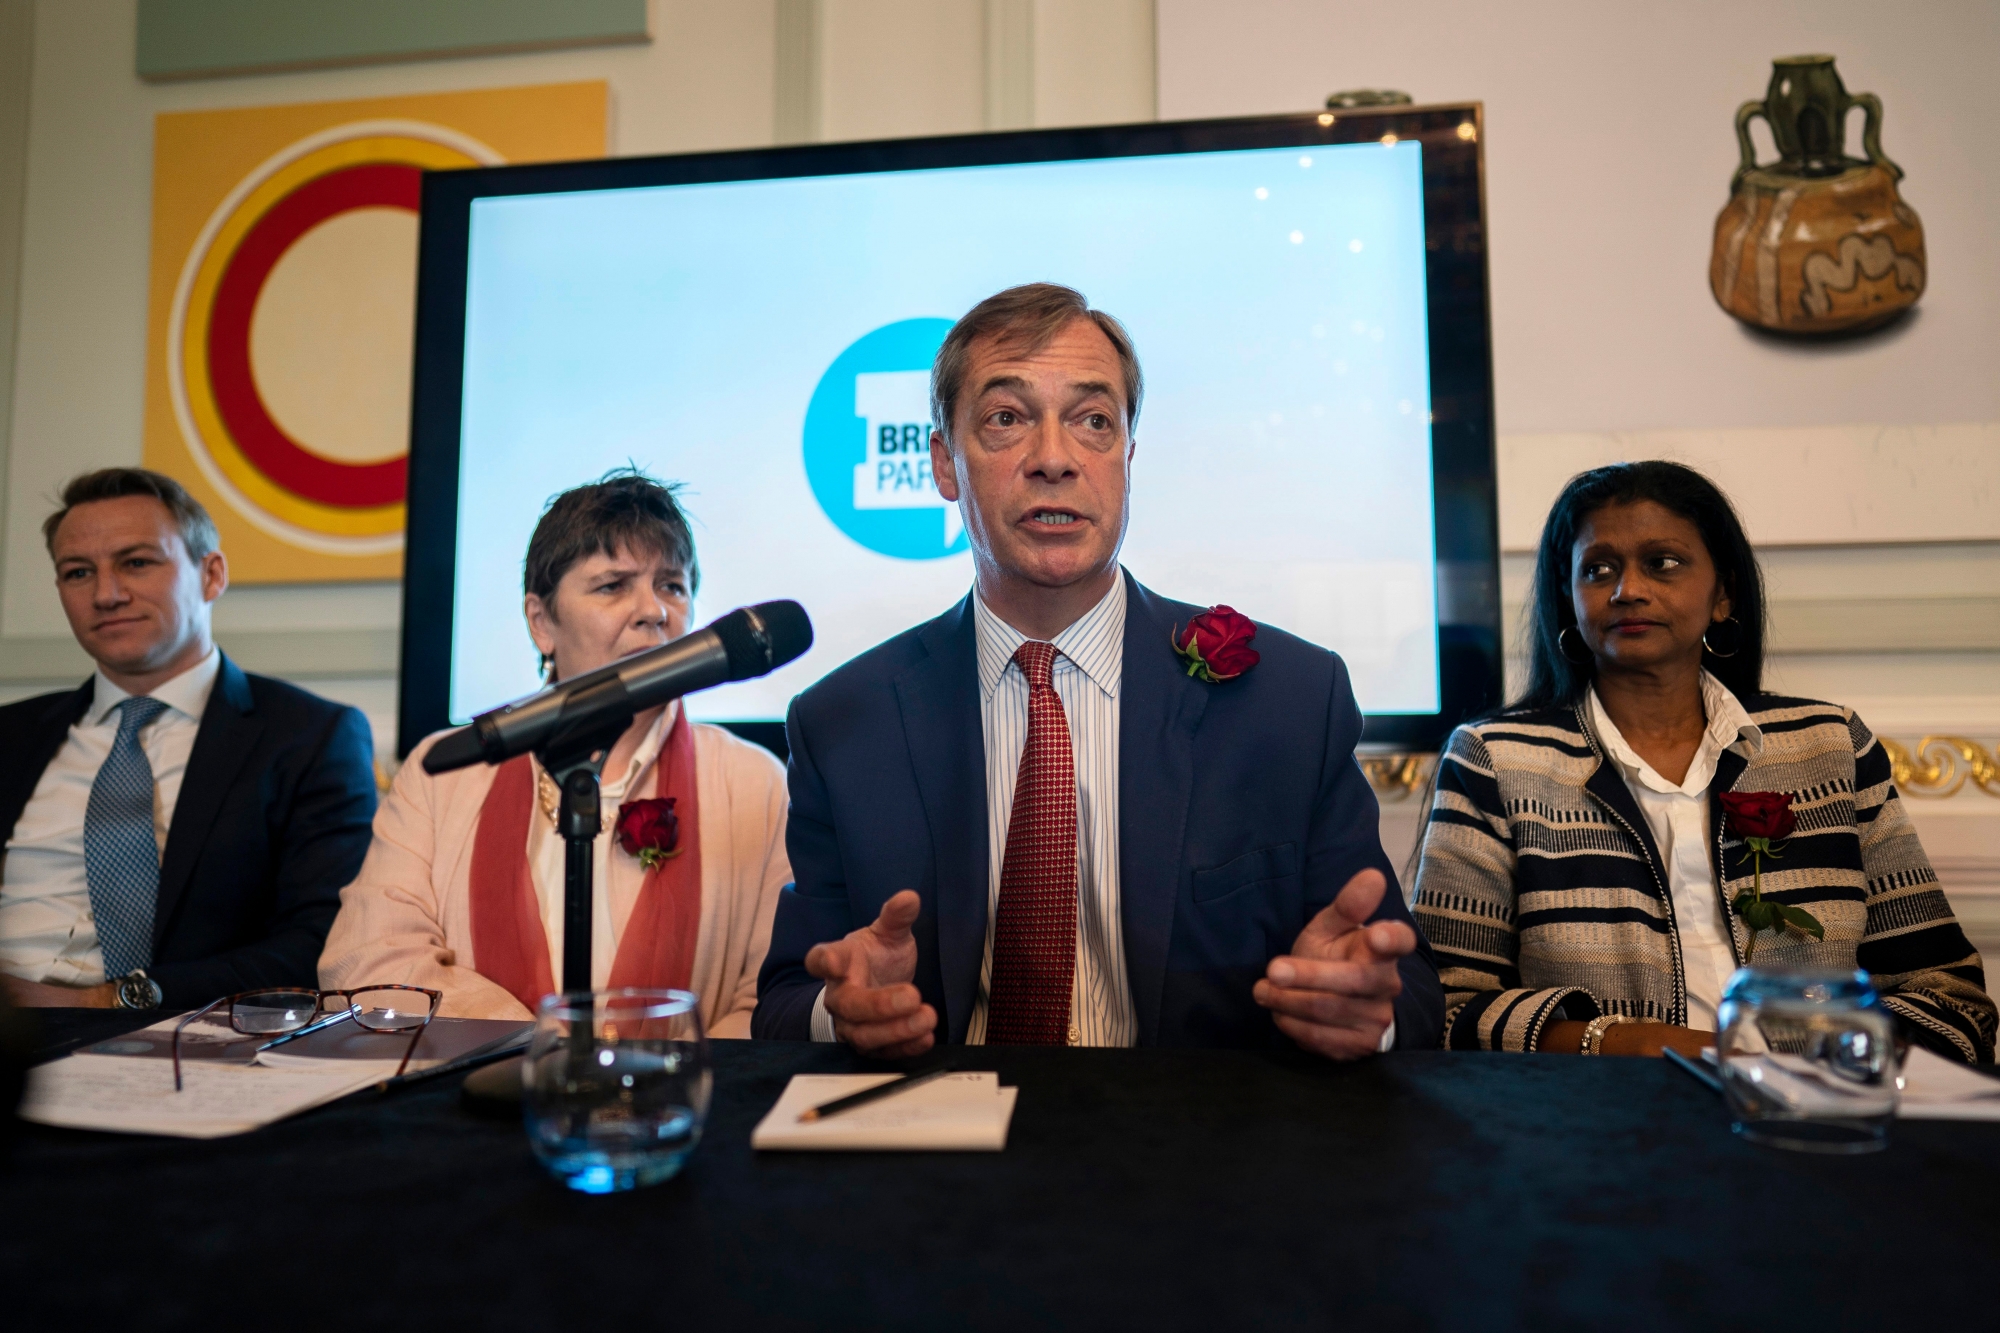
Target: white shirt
1679,820
618,878
1090,659
47,930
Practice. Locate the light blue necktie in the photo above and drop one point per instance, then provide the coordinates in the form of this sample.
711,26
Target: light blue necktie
121,855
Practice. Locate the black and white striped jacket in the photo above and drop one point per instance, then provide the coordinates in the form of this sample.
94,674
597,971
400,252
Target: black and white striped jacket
1541,889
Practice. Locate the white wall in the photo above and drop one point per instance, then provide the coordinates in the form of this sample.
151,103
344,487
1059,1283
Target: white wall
1609,147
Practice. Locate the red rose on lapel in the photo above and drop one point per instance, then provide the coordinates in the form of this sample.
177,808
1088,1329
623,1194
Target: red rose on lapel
1216,645
649,830
1759,814
1761,818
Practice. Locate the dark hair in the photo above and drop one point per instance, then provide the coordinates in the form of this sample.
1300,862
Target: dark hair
115,483
1028,317
1553,679
623,508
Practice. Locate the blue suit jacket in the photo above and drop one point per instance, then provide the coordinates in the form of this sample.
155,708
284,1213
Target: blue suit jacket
1241,813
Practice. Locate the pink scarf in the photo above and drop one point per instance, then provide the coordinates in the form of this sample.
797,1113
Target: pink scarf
657,948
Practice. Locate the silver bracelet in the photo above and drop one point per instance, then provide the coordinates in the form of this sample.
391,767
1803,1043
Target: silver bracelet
1593,1032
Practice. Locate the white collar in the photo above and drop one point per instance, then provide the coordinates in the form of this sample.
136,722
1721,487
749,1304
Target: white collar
1729,726
186,694
1094,643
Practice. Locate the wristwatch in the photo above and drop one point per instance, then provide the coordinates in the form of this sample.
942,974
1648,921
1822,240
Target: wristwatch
136,990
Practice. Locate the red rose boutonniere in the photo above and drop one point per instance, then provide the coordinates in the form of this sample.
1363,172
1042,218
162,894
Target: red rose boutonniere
1761,818
649,830
1216,645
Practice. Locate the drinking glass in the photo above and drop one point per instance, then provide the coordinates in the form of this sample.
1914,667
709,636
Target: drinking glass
616,1086
1808,1060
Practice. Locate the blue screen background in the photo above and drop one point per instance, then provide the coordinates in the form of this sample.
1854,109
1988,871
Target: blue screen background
1276,298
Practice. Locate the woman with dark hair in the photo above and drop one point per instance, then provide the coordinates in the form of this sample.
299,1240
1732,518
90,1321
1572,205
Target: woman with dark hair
1644,819
462,890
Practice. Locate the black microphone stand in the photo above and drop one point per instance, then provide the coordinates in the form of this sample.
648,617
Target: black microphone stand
573,756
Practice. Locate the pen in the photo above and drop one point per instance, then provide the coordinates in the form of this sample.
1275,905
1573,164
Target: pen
866,1095
1713,1083
321,1025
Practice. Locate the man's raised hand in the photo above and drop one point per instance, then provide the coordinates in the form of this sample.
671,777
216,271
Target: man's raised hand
1335,992
874,1006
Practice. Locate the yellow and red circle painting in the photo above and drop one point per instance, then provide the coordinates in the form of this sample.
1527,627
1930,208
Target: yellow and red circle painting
288,346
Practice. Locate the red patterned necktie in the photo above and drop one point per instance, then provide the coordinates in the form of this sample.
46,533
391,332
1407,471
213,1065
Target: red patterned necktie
1034,931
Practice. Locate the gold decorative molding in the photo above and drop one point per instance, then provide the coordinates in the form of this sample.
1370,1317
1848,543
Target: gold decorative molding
1937,767
1940,766
1396,776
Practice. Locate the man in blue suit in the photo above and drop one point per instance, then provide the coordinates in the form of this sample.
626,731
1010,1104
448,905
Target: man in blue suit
1028,822
175,829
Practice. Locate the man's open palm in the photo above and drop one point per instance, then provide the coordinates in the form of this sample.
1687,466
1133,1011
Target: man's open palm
869,995
1335,992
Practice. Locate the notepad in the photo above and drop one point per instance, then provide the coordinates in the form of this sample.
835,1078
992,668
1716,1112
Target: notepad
1935,1088
128,1096
125,1085
962,1112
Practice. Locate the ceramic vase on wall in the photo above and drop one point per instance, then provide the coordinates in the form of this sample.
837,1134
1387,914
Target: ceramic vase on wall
1816,242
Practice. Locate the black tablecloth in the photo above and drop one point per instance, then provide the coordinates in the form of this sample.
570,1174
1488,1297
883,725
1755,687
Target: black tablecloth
1138,1189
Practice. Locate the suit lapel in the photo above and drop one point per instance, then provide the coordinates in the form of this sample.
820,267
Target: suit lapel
1729,769
939,699
1159,710
39,746
228,734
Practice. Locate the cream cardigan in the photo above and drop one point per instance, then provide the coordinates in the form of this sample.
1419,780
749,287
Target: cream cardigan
408,916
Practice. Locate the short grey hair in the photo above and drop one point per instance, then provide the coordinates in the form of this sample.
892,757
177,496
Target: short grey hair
1027,317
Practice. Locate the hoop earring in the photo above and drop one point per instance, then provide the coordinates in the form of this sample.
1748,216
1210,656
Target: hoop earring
1562,646
1737,635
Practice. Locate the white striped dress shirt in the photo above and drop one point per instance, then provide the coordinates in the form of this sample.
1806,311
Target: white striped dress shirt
1090,658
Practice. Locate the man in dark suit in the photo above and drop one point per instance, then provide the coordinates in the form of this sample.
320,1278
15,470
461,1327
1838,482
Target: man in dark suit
1028,822
175,829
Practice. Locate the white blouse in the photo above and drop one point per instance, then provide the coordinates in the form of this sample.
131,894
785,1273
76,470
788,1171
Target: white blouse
1678,818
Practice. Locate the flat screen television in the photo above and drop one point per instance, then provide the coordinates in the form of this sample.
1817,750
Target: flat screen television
1307,295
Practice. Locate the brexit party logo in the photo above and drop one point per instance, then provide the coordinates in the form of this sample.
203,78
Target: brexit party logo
868,444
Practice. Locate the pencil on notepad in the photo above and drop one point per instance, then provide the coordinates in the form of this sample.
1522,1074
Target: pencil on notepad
866,1095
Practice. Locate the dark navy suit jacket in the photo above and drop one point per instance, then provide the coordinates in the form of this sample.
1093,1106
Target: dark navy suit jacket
272,822
1241,813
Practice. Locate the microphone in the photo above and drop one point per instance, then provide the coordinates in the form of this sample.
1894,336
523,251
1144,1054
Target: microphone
749,641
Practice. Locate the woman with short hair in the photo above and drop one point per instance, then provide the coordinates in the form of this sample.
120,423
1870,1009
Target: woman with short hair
462,890
1585,877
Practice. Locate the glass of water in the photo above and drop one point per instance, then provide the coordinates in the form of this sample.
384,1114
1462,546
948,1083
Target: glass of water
616,1086
1808,1060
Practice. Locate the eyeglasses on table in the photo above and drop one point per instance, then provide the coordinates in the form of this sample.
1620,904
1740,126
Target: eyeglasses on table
289,1013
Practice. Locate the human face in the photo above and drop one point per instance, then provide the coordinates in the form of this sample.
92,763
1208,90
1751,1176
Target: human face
1040,458
609,606
1644,587
137,601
